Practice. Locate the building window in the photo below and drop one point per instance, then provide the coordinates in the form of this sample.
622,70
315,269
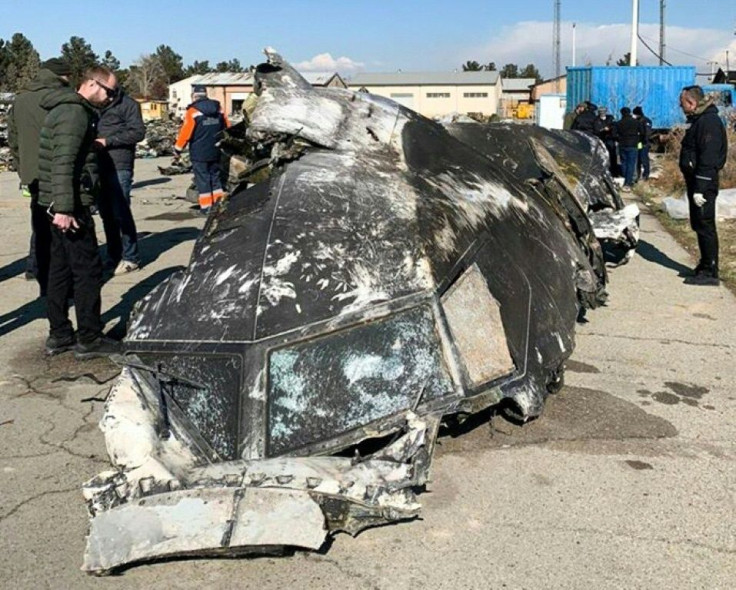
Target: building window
438,95
475,95
237,105
173,93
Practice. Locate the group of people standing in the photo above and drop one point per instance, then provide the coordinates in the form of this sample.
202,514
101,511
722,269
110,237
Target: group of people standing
75,152
627,140
703,153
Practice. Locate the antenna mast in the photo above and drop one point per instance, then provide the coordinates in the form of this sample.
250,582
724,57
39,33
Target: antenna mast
556,45
662,43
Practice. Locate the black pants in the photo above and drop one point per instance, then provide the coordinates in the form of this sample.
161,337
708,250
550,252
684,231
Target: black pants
703,223
39,253
75,264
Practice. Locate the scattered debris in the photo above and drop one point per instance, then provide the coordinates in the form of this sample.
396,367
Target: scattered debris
159,140
371,274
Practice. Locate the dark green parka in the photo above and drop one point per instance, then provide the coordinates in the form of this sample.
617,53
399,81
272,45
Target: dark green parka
25,122
66,161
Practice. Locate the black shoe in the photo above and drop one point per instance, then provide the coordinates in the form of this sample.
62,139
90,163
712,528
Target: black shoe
703,279
56,346
100,347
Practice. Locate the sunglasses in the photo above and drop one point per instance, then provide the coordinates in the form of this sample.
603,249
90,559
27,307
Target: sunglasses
110,92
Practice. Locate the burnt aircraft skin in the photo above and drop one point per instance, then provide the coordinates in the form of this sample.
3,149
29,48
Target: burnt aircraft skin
384,268
582,161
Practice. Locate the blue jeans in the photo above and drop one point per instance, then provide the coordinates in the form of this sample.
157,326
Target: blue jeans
628,164
117,218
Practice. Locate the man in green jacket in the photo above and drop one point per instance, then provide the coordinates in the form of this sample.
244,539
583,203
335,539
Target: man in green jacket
24,130
67,183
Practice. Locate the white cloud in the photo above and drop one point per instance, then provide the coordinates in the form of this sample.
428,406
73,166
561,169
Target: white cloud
531,42
324,62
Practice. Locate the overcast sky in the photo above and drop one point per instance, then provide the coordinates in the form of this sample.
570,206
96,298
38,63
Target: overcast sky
377,35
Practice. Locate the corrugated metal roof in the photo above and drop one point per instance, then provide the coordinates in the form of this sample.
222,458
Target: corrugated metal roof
424,79
225,79
517,84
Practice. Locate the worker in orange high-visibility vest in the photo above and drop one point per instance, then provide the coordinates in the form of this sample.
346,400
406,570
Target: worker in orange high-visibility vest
204,122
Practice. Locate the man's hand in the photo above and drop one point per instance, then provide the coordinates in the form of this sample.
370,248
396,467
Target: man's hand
698,199
65,222
100,142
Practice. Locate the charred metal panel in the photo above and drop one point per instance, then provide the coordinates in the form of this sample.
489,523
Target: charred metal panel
321,388
474,318
212,408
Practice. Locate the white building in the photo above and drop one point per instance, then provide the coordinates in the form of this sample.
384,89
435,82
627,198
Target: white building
434,94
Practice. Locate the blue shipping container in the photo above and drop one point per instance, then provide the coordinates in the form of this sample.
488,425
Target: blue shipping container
656,89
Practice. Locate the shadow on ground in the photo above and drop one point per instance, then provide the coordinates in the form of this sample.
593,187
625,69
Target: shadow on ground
151,182
653,254
13,269
574,414
152,245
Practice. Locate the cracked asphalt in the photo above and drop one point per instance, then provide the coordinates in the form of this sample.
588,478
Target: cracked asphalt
627,481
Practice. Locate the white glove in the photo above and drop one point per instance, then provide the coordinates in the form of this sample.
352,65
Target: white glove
698,199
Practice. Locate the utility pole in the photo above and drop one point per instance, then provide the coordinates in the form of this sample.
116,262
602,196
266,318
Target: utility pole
573,45
634,33
662,42
556,46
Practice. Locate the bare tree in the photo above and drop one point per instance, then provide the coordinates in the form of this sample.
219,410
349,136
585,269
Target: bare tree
146,77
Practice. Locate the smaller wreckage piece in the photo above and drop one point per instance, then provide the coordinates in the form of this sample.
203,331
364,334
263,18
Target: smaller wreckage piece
165,499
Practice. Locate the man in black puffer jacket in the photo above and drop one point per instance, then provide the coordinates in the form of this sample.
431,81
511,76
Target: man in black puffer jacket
119,129
24,131
67,181
703,153
202,129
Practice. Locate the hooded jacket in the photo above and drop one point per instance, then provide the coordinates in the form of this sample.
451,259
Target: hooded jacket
121,125
25,122
704,148
67,165
203,124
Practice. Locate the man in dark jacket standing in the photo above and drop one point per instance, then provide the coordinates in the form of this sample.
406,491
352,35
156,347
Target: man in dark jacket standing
605,130
67,179
120,127
24,130
703,153
629,133
585,118
202,129
645,123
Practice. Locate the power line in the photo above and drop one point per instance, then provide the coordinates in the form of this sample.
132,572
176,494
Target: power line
654,53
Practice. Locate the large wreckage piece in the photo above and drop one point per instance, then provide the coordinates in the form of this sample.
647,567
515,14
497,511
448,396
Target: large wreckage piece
382,275
579,160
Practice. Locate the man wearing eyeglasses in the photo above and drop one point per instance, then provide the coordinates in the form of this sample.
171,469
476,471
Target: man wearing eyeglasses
67,181
120,128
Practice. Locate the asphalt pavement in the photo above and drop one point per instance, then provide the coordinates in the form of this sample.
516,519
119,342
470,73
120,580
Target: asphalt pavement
628,480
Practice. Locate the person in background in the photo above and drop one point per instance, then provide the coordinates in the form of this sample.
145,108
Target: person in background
67,179
24,131
605,130
642,167
584,118
119,129
703,153
629,133
204,122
